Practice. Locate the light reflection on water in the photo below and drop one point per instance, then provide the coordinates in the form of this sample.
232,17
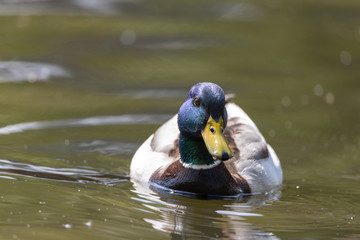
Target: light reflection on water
98,68
92,121
165,212
62,7
213,219
58,174
30,72
152,93
173,214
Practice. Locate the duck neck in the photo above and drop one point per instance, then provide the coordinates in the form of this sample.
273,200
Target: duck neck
194,151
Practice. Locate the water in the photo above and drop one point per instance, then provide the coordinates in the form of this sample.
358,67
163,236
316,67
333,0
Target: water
84,83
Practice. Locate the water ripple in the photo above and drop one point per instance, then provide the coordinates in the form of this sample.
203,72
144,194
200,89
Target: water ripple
14,71
127,119
241,214
177,215
152,93
176,45
72,7
59,174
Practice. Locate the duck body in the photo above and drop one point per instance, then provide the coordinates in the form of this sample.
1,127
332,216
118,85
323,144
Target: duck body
210,147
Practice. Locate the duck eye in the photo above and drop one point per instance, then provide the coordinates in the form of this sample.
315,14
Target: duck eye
212,130
196,101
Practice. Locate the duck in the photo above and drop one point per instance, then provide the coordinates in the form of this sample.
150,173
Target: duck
211,147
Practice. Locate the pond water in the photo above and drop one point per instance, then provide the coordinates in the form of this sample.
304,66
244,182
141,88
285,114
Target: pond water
84,83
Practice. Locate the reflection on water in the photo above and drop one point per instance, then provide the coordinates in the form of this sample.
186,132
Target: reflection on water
59,174
293,65
226,11
93,121
105,147
165,212
180,216
61,7
101,147
30,72
152,93
176,44
99,6
239,11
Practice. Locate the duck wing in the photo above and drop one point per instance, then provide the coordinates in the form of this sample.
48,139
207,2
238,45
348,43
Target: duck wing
160,149
243,136
253,159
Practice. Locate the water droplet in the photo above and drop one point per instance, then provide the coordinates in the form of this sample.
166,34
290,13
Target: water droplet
297,187
286,101
329,98
88,224
272,133
318,90
128,37
67,226
345,57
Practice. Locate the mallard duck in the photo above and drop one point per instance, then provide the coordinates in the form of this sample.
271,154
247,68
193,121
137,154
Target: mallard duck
210,147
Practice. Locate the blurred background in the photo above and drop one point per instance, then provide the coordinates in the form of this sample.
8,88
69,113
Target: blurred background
84,82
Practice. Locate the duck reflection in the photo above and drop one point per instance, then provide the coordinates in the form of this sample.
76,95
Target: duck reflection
190,217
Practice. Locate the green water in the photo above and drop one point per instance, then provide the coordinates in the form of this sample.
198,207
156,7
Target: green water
121,68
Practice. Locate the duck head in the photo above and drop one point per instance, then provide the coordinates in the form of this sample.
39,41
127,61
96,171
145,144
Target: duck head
203,117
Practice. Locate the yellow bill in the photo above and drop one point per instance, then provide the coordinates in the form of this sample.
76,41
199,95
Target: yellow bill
215,140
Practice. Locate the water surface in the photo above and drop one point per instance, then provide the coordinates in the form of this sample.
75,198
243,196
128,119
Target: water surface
84,83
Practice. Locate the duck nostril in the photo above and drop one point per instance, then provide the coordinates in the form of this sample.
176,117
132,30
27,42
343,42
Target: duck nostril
225,156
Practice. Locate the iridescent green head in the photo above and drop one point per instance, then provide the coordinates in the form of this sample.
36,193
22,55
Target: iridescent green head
202,118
